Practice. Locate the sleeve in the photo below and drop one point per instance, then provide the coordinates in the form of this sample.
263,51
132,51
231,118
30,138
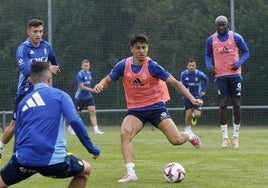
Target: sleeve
182,77
23,61
118,70
242,45
158,71
205,82
52,56
208,53
77,124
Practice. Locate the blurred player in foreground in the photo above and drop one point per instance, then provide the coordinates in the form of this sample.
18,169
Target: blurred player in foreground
196,82
32,50
40,143
225,47
146,93
84,97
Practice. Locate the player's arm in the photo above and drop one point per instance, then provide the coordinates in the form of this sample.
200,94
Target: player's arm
78,125
180,88
23,61
204,84
114,75
208,56
103,84
242,45
54,64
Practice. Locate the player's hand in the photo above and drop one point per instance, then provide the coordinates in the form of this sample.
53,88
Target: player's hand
54,69
234,67
98,88
213,71
198,102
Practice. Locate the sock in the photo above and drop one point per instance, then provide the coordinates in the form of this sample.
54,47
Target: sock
130,168
224,129
2,145
188,128
236,130
96,128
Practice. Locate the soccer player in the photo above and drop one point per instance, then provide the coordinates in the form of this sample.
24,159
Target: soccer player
229,52
33,49
146,92
196,82
40,143
84,97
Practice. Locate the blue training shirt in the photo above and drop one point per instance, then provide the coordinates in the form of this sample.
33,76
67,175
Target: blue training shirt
26,54
241,44
196,82
85,78
40,127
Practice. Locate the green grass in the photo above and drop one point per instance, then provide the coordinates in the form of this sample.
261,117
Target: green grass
207,167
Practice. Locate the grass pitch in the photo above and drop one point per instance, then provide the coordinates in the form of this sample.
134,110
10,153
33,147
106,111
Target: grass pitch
207,167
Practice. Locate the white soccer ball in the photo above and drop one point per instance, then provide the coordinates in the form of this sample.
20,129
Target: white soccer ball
174,172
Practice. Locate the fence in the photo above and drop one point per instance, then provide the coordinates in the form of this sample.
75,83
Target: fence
113,117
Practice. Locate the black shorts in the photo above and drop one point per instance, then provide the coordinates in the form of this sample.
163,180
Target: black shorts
84,103
152,116
13,172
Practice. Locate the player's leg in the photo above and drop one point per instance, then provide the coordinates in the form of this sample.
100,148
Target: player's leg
176,137
81,179
130,127
93,118
188,117
236,88
223,93
7,136
13,173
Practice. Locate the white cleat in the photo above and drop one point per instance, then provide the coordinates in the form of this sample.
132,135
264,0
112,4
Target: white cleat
98,132
128,178
225,143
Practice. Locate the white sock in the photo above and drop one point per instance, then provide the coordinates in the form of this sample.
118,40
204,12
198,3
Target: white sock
224,129
236,130
2,145
130,168
188,128
96,128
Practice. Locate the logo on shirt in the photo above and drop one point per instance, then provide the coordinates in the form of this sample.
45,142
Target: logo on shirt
34,101
137,82
224,50
45,51
31,52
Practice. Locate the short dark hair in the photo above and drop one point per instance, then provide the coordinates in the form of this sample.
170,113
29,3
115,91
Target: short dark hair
39,71
35,23
138,38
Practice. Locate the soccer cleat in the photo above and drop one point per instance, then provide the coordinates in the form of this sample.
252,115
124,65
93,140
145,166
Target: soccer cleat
235,142
194,121
70,130
194,140
128,178
98,132
225,143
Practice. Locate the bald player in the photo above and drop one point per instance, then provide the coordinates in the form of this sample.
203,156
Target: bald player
226,52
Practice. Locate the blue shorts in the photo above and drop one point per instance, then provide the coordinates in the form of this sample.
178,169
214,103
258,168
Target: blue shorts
154,116
229,86
13,172
80,104
188,105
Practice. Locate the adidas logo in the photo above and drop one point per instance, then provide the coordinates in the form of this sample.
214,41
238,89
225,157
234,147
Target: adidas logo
137,82
34,101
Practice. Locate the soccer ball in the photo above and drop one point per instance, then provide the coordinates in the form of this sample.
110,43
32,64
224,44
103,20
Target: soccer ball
174,172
